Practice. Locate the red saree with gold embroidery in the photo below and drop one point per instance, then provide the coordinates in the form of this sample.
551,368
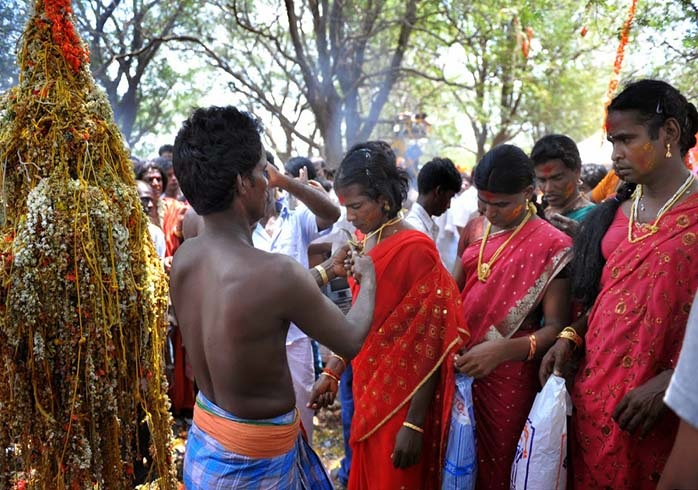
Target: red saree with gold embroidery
506,306
415,332
636,328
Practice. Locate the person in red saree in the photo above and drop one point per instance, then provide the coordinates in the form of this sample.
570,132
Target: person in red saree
403,375
635,269
515,300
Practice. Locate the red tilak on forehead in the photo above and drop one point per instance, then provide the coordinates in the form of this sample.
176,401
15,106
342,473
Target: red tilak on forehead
547,169
488,195
341,200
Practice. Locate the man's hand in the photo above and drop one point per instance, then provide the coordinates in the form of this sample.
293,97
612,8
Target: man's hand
302,175
641,407
167,263
408,448
482,359
337,261
555,359
360,266
274,177
564,224
323,393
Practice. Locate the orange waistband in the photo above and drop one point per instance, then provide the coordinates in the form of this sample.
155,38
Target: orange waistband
251,440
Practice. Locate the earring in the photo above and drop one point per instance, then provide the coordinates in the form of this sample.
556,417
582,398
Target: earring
668,151
386,207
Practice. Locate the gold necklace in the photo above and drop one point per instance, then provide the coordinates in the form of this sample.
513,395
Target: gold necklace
484,269
362,244
651,229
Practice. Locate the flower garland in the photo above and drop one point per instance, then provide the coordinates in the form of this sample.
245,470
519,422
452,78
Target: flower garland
82,292
58,13
620,54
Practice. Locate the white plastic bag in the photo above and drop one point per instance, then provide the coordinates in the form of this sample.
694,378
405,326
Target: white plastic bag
541,455
460,468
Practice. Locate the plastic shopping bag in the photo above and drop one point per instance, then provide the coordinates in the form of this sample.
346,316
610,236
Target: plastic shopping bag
541,455
460,467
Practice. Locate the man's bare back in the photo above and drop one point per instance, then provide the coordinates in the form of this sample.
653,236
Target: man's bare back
234,335
234,302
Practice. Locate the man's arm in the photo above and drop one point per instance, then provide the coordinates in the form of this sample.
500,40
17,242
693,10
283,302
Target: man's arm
314,313
313,196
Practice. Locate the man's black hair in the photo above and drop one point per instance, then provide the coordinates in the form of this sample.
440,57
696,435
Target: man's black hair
439,172
556,147
213,147
165,149
295,164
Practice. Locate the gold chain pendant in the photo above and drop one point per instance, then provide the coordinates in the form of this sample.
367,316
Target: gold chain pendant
484,272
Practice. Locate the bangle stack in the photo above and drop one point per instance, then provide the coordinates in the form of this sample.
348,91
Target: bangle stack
330,374
323,274
413,427
531,347
571,334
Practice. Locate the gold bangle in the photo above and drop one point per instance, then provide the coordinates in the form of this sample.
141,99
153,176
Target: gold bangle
330,375
571,334
413,427
341,359
531,347
323,274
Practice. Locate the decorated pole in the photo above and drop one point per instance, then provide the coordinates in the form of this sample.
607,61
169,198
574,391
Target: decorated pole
82,292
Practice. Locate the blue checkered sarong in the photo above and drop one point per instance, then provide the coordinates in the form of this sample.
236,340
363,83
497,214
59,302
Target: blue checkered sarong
208,465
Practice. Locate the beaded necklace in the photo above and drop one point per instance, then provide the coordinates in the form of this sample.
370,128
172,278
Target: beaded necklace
651,229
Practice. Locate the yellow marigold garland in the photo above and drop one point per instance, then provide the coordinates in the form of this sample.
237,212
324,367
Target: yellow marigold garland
82,292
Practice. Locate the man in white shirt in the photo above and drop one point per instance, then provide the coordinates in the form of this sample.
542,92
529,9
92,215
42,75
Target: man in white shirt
289,232
437,183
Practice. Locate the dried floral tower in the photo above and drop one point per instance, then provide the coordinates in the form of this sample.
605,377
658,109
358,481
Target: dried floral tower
83,294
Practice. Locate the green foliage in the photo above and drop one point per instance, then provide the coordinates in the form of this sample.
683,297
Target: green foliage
669,31
520,68
127,41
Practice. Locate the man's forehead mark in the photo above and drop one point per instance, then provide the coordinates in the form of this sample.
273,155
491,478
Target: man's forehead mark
547,169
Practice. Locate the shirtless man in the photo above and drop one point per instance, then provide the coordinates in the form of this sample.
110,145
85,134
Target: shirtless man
234,304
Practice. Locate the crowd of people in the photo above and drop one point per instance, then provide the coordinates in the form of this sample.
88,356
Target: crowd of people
530,266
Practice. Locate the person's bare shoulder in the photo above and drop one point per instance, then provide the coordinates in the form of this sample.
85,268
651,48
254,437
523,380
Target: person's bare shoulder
192,224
